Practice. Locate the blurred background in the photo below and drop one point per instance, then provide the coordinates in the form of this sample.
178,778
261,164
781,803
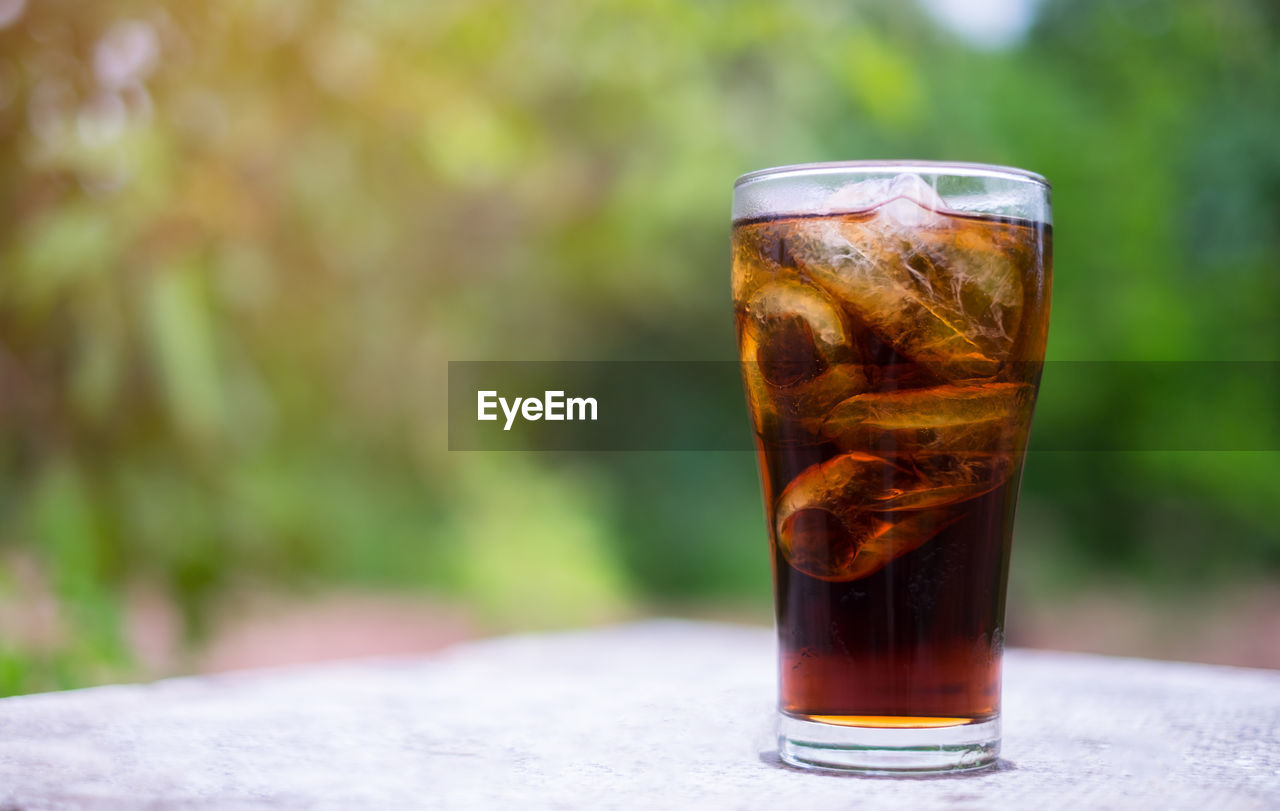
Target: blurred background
240,240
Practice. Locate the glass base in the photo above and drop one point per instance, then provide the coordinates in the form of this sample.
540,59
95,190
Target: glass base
884,747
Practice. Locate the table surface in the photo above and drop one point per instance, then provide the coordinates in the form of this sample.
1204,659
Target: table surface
652,715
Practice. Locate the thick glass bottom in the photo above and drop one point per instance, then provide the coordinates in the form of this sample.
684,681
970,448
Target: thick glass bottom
888,745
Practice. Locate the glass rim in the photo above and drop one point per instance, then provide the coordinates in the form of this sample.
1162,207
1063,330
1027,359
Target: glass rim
956,169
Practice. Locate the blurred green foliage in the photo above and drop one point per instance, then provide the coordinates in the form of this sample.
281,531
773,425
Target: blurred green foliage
240,240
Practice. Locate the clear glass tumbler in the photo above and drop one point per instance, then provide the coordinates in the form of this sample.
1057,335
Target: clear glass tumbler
891,320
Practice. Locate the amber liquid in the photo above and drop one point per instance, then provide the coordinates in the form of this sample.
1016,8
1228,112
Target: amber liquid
918,641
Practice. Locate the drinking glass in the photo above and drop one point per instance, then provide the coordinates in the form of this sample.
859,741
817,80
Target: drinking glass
891,322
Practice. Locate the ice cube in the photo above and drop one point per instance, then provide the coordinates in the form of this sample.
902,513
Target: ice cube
951,460
982,263
948,295
824,531
905,200
861,196
858,481
898,534
824,545
944,479
797,355
804,317
758,252
849,516
941,408
840,485
795,413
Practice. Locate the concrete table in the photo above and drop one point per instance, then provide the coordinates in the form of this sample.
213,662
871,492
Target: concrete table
653,715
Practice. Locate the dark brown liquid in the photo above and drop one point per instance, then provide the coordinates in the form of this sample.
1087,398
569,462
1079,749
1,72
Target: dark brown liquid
921,637
883,437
